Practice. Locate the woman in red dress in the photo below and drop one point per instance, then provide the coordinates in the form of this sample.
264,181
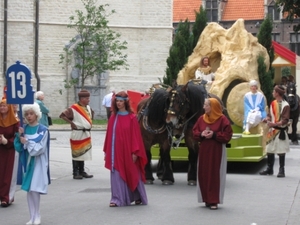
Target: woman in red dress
125,155
213,131
8,156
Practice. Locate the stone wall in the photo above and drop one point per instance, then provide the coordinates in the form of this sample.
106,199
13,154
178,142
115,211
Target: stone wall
145,25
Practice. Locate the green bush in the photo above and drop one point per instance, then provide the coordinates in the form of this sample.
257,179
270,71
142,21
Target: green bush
95,122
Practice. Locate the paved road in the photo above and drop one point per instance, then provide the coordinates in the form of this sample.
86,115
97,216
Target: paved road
249,197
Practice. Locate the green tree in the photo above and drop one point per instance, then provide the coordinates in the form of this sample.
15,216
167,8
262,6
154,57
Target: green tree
266,78
199,25
178,53
264,37
183,45
292,9
285,71
97,47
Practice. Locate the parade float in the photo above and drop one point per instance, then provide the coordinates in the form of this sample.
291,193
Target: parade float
233,55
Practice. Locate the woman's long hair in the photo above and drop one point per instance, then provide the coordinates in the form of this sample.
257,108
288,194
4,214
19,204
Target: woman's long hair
114,107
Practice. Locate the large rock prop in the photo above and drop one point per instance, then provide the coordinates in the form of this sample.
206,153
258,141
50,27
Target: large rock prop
233,55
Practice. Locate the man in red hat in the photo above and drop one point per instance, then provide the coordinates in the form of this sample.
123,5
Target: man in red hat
80,116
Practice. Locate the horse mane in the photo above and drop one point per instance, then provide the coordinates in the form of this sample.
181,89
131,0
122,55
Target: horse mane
158,105
194,92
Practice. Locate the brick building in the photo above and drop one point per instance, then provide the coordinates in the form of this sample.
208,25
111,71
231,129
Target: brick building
35,32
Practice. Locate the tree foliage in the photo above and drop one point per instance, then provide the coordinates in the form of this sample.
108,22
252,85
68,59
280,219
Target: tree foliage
264,37
178,53
199,25
292,9
183,45
266,78
97,48
285,71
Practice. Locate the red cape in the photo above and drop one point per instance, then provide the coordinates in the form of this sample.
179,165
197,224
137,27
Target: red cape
127,140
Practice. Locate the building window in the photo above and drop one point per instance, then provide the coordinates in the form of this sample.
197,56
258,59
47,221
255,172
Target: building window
276,37
295,42
274,12
211,7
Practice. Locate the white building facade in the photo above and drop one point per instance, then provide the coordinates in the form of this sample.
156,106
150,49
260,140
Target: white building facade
145,25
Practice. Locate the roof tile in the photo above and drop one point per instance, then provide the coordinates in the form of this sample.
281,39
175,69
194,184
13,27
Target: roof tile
233,10
185,9
244,9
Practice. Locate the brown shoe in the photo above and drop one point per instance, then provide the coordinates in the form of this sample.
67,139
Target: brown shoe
85,175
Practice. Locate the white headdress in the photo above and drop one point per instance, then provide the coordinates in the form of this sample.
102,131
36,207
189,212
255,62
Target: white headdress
253,83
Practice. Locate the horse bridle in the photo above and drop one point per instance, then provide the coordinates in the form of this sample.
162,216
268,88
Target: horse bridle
295,98
181,104
180,117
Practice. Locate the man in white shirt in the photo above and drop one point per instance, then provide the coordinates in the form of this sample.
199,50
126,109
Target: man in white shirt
107,103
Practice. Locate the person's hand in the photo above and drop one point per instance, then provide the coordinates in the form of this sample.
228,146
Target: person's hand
3,140
204,133
209,134
73,126
271,124
23,140
134,157
21,130
265,120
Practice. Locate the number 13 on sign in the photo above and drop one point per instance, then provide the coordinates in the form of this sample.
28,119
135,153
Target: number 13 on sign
19,89
22,77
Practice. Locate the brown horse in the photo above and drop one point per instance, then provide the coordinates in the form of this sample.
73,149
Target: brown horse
188,100
152,113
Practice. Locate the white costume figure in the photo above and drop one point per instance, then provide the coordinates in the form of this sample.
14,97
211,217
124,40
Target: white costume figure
32,142
204,73
254,107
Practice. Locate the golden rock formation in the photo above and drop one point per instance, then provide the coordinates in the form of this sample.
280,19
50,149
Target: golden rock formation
233,55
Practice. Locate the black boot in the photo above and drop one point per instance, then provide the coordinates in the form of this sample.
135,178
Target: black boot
76,174
281,165
269,170
81,170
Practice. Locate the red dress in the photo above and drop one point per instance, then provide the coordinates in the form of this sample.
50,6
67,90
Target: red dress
8,162
212,159
123,138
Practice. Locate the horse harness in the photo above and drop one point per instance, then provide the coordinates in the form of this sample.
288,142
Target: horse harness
143,112
296,98
181,103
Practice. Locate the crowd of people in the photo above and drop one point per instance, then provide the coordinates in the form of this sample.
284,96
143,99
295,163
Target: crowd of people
27,145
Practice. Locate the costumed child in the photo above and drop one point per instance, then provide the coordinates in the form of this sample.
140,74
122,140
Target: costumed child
32,142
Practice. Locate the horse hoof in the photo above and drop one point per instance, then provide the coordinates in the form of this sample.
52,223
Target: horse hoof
149,182
295,143
167,182
192,183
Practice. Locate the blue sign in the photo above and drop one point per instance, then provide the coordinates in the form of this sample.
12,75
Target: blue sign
19,89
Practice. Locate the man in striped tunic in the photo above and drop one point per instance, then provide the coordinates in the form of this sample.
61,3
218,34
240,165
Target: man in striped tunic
80,116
